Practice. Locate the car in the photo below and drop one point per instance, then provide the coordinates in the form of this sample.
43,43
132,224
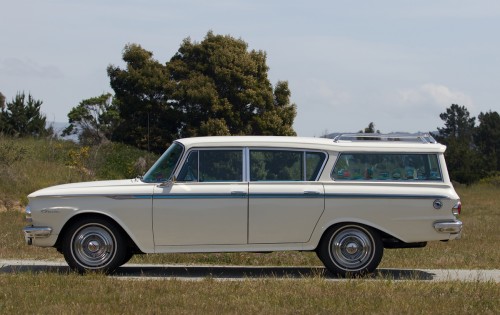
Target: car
346,198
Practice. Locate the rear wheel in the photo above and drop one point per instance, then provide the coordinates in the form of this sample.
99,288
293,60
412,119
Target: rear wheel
94,244
350,250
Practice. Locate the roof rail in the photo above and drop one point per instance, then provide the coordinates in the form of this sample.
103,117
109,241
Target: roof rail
403,137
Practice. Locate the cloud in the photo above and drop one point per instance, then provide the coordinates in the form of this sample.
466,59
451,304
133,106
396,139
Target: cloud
435,96
28,68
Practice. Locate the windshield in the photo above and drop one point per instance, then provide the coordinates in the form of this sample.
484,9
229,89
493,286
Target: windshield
162,170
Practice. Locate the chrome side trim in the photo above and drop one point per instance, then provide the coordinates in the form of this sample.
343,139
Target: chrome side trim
452,227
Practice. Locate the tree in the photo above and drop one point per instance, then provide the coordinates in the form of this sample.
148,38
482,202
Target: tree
2,107
2,101
215,87
487,141
22,117
462,160
458,124
93,120
370,129
223,85
148,118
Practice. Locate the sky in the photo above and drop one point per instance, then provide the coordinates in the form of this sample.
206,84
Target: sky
396,63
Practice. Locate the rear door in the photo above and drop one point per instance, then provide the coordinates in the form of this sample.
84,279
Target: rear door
285,201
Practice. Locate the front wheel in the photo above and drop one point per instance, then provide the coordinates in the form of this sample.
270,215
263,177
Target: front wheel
350,250
94,244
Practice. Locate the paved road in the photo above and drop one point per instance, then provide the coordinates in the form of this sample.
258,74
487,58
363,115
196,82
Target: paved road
234,273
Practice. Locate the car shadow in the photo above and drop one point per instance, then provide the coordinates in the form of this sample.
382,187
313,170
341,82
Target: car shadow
222,272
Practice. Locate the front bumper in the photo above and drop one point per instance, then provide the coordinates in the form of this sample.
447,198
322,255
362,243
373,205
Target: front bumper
452,227
32,232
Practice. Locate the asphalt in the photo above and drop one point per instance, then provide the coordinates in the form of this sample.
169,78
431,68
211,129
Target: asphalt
238,273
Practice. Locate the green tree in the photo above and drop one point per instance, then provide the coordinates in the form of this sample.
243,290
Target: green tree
487,141
22,117
2,107
215,87
457,134
223,85
369,129
93,120
149,118
2,101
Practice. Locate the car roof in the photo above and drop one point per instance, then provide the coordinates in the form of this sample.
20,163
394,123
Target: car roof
310,143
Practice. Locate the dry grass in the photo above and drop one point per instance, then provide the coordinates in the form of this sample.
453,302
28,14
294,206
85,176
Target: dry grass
96,294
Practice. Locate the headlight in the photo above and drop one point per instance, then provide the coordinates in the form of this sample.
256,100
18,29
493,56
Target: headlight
28,215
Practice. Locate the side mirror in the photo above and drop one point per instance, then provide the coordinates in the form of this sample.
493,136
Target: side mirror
169,183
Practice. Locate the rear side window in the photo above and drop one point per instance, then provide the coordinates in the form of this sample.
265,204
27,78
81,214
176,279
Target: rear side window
285,165
387,166
213,166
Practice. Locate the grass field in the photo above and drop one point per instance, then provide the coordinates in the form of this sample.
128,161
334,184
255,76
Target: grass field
97,294
44,164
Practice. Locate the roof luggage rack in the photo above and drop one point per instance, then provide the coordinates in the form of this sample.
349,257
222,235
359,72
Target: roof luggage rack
403,137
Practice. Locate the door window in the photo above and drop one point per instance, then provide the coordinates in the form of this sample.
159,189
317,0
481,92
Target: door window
213,166
285,165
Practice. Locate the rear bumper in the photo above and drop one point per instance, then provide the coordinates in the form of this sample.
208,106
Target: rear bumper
32,232
451,227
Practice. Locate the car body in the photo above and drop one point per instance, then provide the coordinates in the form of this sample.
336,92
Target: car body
347,199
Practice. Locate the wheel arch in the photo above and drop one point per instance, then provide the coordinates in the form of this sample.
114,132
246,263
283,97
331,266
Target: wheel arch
384,235
131,244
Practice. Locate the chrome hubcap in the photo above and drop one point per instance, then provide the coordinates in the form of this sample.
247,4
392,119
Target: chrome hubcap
351,248
93,246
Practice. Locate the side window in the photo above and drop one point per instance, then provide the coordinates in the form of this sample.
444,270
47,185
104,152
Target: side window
276,165
189,171
213,166
314,164
285,165
388,166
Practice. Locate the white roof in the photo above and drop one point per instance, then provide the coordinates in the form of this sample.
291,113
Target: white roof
311,144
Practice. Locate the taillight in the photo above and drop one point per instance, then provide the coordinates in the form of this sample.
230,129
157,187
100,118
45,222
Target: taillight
457,208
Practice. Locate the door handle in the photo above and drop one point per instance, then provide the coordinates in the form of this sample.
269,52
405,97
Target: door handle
311,192
238,193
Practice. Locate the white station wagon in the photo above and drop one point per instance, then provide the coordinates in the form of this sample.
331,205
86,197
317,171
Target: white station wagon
346,198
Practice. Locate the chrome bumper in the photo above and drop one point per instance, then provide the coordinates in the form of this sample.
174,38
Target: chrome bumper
452,227
31,232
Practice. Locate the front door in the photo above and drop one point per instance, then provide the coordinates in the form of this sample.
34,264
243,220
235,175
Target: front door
208,203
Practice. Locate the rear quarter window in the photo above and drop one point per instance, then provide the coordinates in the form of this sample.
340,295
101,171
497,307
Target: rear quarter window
387,166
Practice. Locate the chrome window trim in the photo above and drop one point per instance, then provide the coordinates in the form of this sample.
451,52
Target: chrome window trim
198,149
246,160
339,155
304,159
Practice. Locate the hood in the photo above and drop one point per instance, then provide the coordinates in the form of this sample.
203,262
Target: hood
122,186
